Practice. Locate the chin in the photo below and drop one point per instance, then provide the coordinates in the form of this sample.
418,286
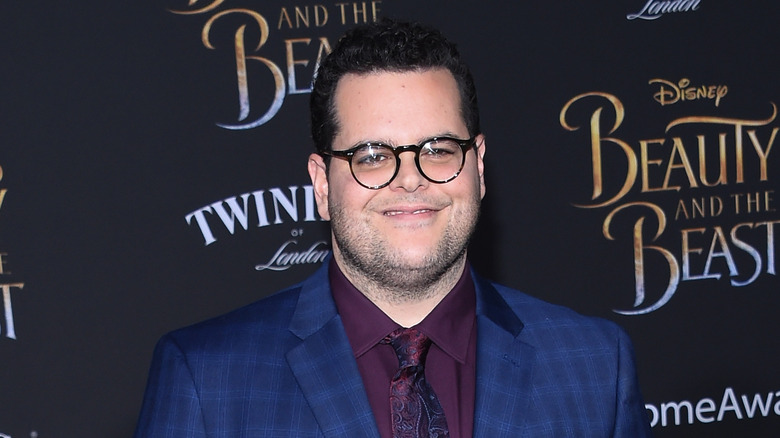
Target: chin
415,257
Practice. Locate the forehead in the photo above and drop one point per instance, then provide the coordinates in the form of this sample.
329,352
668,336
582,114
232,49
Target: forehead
397,107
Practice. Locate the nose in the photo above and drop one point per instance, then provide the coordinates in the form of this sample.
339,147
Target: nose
408,177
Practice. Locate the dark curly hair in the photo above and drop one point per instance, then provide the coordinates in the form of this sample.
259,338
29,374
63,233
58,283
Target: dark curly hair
391,46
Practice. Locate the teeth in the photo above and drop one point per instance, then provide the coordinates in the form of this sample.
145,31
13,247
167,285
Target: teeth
395,213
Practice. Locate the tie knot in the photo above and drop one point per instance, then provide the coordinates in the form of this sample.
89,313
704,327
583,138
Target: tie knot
410,345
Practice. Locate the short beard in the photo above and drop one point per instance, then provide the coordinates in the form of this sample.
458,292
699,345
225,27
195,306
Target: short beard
385,275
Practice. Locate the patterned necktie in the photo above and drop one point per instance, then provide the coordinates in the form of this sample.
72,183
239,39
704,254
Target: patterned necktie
414,409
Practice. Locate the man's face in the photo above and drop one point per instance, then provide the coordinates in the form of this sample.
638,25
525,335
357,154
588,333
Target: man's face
407,235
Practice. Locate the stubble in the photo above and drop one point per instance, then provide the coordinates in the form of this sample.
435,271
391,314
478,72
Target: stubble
383,272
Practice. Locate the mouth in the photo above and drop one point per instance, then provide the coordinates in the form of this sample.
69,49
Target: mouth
409,212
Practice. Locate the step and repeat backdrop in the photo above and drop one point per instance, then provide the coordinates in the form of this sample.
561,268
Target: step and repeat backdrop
153,174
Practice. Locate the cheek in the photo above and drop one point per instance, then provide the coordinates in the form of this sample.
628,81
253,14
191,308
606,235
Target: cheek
471,187
346,197
476,184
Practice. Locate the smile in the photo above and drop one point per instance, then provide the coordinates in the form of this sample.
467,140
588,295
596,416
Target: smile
397,212
408,212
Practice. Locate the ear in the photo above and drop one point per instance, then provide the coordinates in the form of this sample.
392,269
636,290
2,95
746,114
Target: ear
318,172
481,146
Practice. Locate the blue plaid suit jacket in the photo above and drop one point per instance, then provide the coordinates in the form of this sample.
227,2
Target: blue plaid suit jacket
283,367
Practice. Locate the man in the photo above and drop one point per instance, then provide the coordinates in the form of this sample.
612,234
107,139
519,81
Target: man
399,173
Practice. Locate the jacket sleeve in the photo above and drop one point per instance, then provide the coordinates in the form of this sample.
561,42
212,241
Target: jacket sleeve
631,417
171,406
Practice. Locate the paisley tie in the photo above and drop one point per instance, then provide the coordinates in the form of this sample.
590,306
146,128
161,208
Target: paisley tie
415,411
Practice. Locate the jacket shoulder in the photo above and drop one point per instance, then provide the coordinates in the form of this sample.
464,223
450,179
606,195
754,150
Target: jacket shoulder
544,320
264,321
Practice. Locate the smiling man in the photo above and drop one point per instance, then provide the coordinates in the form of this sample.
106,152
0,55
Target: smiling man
403,245
395,336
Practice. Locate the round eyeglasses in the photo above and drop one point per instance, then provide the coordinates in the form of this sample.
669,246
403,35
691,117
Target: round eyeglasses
374,165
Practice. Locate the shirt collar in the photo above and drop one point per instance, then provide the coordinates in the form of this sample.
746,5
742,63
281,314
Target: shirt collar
449,325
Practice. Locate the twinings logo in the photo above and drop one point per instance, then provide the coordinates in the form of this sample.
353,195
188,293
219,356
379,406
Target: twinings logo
705,182
288,255
670,93
258,75
264,208
654,9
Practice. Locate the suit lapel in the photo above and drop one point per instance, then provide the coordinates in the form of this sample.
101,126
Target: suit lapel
504,367
324,364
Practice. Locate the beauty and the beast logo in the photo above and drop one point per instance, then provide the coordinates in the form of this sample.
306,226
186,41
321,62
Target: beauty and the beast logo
698,199
7,328
250,32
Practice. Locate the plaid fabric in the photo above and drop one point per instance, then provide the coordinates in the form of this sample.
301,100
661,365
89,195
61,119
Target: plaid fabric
266,370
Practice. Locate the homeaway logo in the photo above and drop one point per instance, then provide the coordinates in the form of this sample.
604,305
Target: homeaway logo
708,410
654,9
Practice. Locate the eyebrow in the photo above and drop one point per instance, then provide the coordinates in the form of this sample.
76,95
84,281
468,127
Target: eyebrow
395,144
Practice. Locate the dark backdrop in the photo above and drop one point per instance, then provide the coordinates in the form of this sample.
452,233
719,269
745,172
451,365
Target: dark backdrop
138,198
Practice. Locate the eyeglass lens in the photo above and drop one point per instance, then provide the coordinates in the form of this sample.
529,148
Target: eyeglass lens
375,165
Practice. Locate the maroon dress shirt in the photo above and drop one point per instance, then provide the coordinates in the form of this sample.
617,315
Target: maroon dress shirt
451,362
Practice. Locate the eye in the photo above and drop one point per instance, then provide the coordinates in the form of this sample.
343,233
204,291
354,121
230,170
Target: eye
439,149
372,156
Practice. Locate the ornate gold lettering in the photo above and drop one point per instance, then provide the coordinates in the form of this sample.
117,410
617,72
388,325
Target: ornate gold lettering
705,253
241,68
639,259
303,17
685,164
682,91
645,162
722,176
2,191
737,124
10,329
686,261
596,141
359,10
209,7
741,244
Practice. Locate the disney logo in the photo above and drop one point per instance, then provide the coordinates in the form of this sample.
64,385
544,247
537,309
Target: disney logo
670,93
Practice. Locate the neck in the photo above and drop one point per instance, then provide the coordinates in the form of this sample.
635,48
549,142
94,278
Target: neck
410,313
406,309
